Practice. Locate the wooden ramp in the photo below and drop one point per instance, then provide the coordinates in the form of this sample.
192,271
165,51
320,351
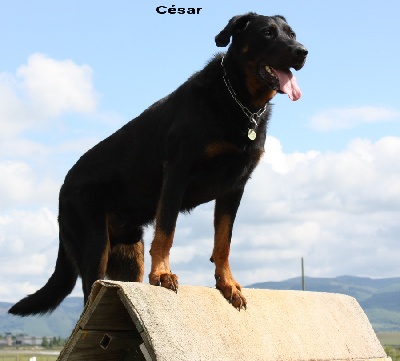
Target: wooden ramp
134,321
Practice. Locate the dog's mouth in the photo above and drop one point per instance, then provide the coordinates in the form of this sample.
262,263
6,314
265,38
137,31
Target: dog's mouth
282,81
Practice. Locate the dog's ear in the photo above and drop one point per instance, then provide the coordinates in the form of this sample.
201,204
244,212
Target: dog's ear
281,17
235,25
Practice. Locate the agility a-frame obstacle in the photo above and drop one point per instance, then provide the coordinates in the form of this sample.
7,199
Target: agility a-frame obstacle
134,321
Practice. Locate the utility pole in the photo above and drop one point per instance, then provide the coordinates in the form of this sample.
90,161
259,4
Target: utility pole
303,280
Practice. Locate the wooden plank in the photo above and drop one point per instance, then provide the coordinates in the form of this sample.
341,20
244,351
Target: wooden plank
108,313
121,346
95,298
105,331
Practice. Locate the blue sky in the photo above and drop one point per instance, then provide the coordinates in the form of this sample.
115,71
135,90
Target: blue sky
71,73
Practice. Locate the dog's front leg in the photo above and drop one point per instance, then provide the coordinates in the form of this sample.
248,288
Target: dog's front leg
167,213
224,216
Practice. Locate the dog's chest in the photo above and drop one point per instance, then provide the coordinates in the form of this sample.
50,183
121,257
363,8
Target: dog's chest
223,167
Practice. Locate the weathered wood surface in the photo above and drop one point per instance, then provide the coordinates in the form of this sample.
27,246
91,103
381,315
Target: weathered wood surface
198,324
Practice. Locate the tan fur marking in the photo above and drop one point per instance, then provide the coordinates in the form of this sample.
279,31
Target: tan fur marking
132,253
104,257
260,94
221,250
159,252
124,261
223,274
221,242
217,148
160,274
139,255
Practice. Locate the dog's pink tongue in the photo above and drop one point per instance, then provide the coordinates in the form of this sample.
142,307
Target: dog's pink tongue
288,84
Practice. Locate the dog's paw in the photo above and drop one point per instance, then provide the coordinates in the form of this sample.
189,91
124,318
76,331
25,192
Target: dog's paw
231,291
167,280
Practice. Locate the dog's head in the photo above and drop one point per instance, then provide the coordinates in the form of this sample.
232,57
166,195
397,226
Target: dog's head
268,47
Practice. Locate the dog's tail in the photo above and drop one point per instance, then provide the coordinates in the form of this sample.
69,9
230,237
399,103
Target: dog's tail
60,285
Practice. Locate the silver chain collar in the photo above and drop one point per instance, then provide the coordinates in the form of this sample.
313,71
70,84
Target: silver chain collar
253,117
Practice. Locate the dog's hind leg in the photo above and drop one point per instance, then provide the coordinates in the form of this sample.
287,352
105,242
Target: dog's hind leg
126,250
126,262
94,259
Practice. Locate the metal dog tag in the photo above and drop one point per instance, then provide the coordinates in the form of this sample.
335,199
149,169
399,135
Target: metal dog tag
252,134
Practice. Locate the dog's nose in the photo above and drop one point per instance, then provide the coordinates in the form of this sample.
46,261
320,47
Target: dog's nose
300,51
299,56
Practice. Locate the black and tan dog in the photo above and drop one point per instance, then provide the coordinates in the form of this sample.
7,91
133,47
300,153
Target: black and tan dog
200,143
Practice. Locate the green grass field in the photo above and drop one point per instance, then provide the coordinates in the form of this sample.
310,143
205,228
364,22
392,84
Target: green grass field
393,352
389,338
26,355
391,343
18,357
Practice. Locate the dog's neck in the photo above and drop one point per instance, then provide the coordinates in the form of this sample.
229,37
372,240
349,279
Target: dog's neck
253,117
255,94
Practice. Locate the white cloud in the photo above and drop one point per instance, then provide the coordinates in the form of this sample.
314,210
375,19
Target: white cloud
181,254
14,114
28,243
345,118
58,86
27,233
40,97
42,89
20,185
14,148
339,210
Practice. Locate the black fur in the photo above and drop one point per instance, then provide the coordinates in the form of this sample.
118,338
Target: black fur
188,148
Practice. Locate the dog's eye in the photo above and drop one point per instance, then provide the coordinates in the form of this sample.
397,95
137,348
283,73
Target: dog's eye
268,32
292,35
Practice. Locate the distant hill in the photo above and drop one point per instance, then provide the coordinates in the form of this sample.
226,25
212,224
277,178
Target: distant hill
60,323
380,299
